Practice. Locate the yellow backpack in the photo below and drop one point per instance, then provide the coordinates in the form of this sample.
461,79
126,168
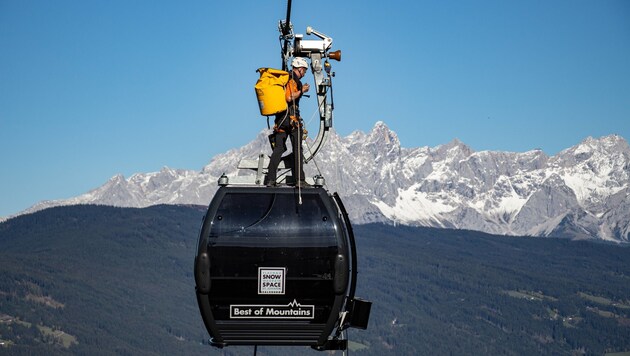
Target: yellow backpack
270,90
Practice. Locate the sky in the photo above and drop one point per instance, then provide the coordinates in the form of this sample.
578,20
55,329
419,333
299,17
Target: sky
91,89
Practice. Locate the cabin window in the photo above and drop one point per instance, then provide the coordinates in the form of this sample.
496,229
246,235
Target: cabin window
273,218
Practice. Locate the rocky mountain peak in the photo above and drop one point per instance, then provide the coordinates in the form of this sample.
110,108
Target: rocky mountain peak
582,192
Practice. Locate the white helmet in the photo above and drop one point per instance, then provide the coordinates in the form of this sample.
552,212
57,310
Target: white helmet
299,62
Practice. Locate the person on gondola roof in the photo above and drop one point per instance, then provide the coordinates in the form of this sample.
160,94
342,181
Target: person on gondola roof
289,123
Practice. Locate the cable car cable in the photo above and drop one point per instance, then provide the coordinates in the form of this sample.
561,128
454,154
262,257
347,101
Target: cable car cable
286,34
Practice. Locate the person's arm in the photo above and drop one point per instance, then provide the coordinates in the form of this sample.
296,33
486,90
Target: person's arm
291,92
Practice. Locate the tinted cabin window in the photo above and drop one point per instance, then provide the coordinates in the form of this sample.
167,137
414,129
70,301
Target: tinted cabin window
270,219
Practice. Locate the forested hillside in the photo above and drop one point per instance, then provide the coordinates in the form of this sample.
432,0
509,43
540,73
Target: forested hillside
102,280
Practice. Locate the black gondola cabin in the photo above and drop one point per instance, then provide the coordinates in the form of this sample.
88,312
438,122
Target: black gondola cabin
277,266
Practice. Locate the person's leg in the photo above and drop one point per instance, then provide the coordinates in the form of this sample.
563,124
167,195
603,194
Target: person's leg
276,155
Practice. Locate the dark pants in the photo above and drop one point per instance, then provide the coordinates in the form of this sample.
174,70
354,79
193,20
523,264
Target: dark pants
280,146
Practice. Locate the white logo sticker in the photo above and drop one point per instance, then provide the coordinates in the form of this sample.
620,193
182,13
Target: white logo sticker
271,280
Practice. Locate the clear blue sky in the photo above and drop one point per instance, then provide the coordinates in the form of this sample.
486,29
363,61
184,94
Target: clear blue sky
89,89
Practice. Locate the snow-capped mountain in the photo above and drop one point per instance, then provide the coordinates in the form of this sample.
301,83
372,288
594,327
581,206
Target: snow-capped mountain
582,192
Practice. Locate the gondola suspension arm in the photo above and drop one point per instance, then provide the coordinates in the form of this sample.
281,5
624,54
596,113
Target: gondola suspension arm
318,51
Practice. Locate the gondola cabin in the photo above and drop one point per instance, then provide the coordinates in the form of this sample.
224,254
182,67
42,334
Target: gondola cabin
277,266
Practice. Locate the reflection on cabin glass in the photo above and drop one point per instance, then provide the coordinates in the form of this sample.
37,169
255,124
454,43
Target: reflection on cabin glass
272,219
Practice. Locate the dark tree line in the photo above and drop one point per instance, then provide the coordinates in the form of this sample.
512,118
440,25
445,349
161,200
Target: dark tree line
124,280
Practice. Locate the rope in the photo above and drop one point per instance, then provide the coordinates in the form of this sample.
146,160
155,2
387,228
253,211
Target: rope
316,111
298,144
298,161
